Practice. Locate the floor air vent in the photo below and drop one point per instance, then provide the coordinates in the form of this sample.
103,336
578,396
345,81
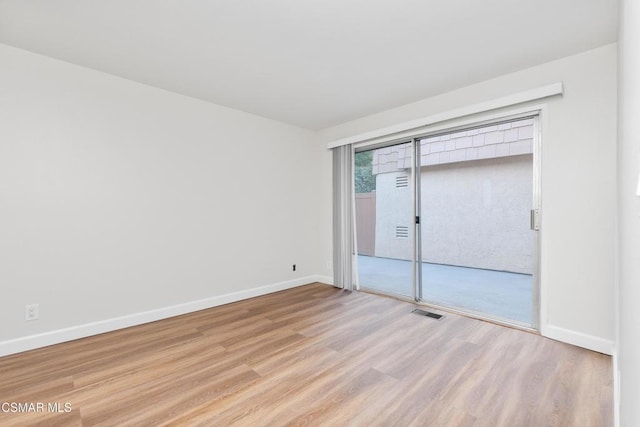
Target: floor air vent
428,314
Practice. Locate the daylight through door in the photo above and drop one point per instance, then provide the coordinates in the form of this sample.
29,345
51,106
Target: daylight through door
473,245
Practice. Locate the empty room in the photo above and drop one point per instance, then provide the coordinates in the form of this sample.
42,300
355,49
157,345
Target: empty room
336,213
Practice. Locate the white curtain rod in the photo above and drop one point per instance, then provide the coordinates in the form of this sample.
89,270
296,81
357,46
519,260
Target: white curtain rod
506,101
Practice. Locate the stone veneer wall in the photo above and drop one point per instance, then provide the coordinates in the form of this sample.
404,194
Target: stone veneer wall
503,140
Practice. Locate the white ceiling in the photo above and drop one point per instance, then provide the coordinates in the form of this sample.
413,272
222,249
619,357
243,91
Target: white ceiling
311,63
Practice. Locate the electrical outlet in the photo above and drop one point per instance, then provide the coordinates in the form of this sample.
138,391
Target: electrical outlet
31,312
294,267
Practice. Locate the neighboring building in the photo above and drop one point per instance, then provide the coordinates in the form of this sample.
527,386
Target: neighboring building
476,196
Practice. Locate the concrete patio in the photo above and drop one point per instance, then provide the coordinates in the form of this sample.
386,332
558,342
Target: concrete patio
496,293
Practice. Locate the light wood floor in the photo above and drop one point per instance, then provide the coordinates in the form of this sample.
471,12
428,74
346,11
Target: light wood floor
312,355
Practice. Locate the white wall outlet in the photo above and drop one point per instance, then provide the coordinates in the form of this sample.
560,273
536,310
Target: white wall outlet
31,312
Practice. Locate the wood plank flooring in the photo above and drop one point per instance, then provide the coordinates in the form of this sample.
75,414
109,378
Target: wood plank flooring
312,355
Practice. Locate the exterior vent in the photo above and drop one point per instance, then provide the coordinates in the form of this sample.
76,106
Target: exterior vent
402,181
402,232
428,314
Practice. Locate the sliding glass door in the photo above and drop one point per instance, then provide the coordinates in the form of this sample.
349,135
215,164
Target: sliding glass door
448,219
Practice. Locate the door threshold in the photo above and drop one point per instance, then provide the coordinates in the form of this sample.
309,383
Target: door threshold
481,316
464,313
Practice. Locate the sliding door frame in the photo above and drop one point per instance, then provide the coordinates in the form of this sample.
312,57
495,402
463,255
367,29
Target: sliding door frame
538,114
417,232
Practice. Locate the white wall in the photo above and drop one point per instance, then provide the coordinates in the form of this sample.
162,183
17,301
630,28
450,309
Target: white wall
578,188
627,356
117,198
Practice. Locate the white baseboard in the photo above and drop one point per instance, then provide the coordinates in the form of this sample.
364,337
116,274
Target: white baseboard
327,280
31,342
590,342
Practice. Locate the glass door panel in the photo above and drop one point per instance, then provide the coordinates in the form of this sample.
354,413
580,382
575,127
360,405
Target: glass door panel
476,194
384,213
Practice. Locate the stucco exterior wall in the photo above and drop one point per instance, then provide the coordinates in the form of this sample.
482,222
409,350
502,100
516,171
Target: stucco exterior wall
476,195
393,209
474,214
